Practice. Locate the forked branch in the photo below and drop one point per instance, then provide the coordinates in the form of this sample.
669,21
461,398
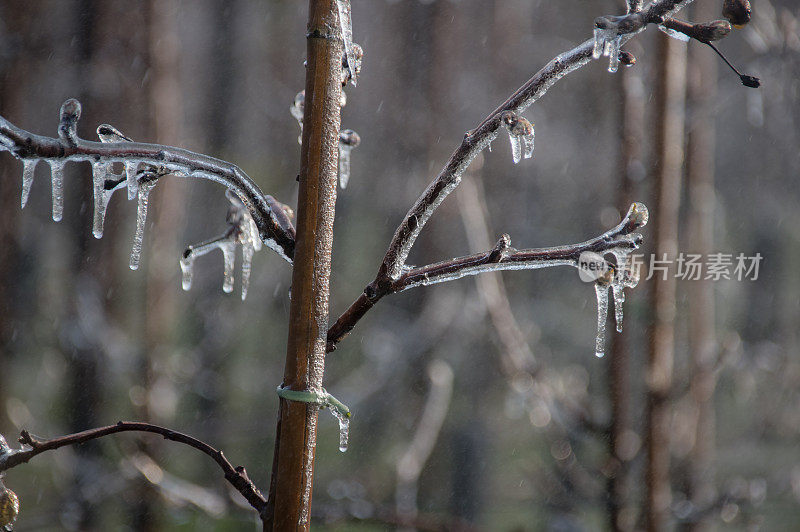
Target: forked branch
32,446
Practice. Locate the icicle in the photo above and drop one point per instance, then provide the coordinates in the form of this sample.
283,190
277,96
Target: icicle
346,27
247,262
601,289
99,174
344,428
141,218
57,179
613,55
130,176
186,271
528,140
599,40
229,255
28,169
516,148
674,34
619,299
348,139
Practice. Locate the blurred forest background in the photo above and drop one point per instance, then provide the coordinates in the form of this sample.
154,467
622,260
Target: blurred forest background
477,403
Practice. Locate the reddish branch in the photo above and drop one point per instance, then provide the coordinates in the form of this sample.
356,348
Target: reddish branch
32,446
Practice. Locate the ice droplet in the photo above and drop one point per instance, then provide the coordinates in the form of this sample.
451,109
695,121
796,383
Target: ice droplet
344,428
99,173
528,140
229,255
601,290
28,169
130,176
141,218
344,164
613,55
57,179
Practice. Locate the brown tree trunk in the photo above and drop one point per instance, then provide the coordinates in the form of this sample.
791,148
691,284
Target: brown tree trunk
702,341
669,123
292,475
621,447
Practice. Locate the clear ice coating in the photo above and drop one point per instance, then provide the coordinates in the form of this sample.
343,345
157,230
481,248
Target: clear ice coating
520,134
28,169
344,428
297,109
674,34
229,255
601,289
348,139
350,51
99,174
141,218
57,179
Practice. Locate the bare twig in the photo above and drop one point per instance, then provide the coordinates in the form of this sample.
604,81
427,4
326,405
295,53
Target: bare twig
32,446
274,226
392,274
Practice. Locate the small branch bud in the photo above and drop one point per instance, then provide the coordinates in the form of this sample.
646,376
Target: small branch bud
712,31
348,137
68,124
627,58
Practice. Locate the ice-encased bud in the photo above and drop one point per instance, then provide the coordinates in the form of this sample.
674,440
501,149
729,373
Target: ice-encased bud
712,31
68,122
520,134
9,507
637,216
348,137
737,12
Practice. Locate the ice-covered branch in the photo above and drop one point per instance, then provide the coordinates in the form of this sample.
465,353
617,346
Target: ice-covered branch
144,163
619,241
482,136
32,446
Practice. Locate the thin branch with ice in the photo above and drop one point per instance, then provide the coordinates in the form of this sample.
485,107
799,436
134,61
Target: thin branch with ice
33,446
618,241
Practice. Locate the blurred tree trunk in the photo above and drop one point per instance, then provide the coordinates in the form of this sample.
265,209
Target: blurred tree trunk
14,83
291,485
702,341
161,47
621,447
669,135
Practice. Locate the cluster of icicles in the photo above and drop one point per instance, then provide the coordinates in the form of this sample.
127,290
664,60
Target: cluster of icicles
139,178
520,133
624,273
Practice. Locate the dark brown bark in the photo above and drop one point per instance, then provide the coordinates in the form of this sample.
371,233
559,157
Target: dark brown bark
702,342
670,99
292,476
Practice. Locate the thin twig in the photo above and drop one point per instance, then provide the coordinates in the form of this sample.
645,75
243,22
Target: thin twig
32,446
